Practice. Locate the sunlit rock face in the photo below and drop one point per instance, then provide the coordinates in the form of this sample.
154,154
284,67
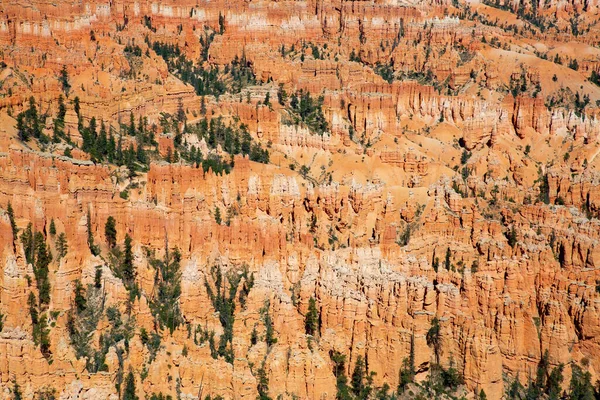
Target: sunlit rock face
443,171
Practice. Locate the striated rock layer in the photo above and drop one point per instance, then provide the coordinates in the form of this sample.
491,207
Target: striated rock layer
457,179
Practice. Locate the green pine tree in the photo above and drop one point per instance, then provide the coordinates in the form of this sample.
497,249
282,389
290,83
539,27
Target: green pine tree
311,321
43,259
130,160
361,382
11,217
482,395
61,245
433,338
77,106
98,277
131,128
167,280
127,267
80,300
28,244
64,80
129,393
95,250
16,391
110,231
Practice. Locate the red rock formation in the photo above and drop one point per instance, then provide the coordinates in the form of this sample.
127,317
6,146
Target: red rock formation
359,218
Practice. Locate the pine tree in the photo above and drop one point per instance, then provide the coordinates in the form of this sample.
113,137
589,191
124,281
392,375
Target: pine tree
433,339
581,387
62,109
98,277
64,79
221,23
512,236
29,124
33,311
40,270
28,245
77,106
142,125
21,130
16,391
542,372
180,111
167,280
140,153
131,129
52,227
11,217
202,106
110,231
80,300
311,322
270,338
554,383
42,333
43,256
263,383
358,376
254,336
92,246
407,372
59,121
218,215
448,256
47,393
127,267
574,65
130,161
61,245
129,393
281,95
339,360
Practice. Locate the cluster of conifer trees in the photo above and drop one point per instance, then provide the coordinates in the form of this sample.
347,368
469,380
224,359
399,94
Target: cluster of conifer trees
209,80
134,145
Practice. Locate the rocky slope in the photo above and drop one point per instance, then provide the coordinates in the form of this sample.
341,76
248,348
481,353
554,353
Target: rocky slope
445,171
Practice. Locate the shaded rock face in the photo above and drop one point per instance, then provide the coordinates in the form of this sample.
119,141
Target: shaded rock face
456,179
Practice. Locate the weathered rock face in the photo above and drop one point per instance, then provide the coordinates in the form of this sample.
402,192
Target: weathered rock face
456,179
371,303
